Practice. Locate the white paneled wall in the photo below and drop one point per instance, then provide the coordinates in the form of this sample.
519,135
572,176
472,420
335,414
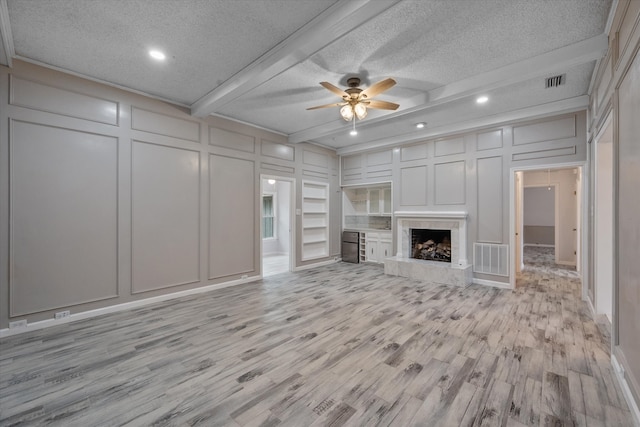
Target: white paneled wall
470,173
116,197
165,204
490,199
616,93
231,202
63,220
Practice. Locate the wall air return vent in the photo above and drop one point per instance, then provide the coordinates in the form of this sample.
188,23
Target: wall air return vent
554,81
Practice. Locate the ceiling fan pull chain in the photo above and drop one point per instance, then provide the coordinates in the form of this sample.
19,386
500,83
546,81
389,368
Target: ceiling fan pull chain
354,132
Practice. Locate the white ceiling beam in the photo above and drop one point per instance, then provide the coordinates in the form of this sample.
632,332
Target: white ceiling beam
339,19
5,32
544,65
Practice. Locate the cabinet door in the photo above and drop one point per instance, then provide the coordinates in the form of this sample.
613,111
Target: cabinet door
374,202
372,247
384,250
372,251
386,201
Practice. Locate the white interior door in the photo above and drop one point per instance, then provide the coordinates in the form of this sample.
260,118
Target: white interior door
519,215
603,218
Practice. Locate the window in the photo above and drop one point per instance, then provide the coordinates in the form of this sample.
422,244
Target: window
268,215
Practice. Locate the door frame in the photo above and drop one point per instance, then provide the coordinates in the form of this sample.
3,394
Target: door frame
292,218
583,212
607,126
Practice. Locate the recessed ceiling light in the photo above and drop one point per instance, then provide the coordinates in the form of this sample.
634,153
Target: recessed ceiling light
482,99
156,54
420,125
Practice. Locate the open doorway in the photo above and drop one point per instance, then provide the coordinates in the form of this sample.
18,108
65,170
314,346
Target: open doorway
546,220
276,201
539,218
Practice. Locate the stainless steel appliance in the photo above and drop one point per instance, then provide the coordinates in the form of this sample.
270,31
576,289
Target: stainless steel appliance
350,244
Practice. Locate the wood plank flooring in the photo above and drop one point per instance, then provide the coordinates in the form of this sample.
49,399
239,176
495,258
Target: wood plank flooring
336,345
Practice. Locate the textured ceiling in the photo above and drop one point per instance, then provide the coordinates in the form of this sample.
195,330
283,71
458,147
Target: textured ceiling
260,61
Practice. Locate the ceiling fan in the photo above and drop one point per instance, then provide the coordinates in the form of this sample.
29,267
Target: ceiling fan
356,101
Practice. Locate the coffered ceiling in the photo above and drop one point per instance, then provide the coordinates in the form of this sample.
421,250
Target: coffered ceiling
261,61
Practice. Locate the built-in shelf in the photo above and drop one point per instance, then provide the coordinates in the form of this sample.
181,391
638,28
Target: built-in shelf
315,220
314,241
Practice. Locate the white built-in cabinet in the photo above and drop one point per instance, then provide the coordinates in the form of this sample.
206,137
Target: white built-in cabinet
315,220
368,201
377,246
356,201
379,201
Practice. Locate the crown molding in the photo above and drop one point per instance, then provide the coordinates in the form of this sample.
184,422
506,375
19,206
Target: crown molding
570,105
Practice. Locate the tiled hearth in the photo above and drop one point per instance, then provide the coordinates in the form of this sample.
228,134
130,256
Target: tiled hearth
458,272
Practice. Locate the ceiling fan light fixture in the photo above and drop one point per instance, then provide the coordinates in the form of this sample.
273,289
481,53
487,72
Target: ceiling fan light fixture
355,101
347,113
360,110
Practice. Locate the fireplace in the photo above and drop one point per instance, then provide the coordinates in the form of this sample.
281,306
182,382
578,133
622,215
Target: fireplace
431,245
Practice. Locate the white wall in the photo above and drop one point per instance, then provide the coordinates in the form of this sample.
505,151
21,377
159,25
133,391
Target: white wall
539,215
539,206
470,171
616,92
116,197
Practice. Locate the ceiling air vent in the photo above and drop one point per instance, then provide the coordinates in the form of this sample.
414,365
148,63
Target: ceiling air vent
554,81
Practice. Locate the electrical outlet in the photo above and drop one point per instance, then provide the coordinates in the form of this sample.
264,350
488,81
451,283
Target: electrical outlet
18,324
62,314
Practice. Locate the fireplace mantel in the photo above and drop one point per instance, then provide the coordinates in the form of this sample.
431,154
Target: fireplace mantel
431,214
456,221
458,272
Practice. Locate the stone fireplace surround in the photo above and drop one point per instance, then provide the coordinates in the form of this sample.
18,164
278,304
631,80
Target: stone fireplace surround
458,272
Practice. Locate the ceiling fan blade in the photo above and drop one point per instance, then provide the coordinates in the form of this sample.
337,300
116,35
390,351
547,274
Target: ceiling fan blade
382,105
377,88
336,104
334,89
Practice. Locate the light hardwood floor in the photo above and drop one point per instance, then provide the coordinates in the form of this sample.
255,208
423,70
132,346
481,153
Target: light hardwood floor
274,264
337,345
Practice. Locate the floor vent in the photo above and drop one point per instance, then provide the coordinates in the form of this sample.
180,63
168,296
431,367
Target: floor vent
490,258
554,81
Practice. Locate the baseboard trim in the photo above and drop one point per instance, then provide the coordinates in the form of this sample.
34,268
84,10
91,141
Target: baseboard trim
539,245
121,307
492,283
569,263
317,264
591,307
618,370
